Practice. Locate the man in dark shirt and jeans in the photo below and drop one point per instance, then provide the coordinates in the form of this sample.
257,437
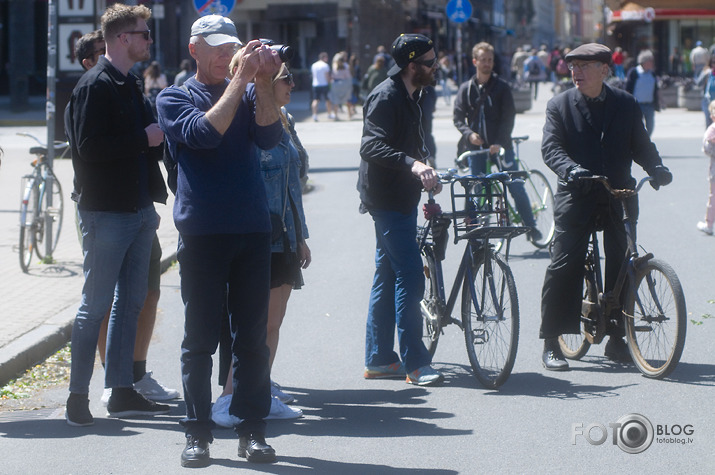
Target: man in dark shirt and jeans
115,152
393,171
221,212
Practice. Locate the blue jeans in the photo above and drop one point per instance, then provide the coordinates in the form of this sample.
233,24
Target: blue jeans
478,166
397,290
117,248
648,110
231,268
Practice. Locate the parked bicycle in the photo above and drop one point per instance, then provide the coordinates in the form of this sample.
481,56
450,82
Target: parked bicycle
647,295
490,307
541,196
38,220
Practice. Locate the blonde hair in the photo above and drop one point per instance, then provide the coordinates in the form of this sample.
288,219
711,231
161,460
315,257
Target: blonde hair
281,111
234,61
711,108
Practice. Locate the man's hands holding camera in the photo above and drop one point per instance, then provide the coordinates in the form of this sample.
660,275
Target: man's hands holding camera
256,60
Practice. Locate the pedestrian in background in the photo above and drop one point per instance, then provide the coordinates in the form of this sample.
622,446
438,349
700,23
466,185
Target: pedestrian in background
89,48
706,81
699,58
116,145
706,225
154,82
376,73
320,71
221,213
341,86
517,64
643,84
185,73
617,60
393,153
534,72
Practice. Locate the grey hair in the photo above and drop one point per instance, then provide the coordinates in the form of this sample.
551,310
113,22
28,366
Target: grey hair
645,55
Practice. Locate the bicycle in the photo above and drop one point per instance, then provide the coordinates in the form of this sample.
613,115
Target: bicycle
490,307
36,217
647,295
541,196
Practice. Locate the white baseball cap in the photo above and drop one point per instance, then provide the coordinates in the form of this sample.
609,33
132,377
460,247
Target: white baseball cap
216,30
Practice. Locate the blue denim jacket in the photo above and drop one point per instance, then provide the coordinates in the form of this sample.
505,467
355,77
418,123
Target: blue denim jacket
274,165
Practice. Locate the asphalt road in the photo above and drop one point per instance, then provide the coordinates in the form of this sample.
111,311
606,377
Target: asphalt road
354,426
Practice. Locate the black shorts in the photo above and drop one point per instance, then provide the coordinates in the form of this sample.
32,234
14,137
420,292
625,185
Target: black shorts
285,269
320,92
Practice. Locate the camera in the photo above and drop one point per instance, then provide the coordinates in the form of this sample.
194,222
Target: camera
285,52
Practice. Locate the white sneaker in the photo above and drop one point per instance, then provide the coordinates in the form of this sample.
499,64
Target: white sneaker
152,389
278,393
703,226
315,117
220,415
282,411
105,396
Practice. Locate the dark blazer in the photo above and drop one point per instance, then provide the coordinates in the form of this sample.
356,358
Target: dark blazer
570,138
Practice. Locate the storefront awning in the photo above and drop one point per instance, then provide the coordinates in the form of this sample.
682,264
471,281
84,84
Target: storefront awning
634,12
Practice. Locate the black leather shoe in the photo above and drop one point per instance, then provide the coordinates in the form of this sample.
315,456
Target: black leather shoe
534,235
617,350
196,453
253,447
553,359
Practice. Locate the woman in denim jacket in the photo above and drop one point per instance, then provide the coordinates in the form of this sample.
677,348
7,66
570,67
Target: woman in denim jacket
283,167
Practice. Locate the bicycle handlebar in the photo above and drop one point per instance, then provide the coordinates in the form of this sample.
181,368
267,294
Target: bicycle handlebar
618,194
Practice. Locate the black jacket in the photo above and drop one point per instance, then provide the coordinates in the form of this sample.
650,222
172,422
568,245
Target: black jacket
570,137
107,141
498,109
393,138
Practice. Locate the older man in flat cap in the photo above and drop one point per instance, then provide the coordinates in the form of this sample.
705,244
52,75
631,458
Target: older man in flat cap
393,171
221,212
592,129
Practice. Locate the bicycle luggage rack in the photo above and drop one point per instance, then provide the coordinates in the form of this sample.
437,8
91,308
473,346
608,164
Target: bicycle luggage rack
485,214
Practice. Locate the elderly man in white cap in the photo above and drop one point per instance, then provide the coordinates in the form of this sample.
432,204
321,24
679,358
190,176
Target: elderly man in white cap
211,125
592,129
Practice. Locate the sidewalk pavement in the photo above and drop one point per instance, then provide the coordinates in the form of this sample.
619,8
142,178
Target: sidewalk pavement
37,309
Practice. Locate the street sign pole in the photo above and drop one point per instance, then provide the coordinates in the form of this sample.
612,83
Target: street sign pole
459,11
50,117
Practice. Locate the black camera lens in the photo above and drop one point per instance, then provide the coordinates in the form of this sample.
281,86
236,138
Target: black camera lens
285,52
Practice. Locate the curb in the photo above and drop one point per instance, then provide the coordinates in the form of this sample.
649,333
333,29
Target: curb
38,344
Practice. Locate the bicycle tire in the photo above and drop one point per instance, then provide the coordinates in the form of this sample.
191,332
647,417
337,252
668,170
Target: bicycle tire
655,319
55,214
575,346
430,304
541,197
491,335
29,208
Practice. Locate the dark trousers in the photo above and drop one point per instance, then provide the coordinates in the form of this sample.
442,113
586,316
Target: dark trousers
235,269
576,215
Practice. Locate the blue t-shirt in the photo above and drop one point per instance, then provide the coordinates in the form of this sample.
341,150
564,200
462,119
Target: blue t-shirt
219,184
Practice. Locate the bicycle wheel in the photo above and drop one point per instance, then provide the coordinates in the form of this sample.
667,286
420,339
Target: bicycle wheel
490,319
575,346
53,215
430,304
29,208
542,205
655,319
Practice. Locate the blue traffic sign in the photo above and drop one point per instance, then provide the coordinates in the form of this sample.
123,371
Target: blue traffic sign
214,7
459,11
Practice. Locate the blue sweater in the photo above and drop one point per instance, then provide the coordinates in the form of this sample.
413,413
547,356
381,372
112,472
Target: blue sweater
219,186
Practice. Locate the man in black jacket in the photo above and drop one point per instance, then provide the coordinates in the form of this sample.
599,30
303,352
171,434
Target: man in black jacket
115,152
393,171
484,114
592,129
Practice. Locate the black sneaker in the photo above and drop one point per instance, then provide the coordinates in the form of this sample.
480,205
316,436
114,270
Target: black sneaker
126,402
77,411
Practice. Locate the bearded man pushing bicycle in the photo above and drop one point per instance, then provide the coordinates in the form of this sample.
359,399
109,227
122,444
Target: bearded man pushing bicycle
592,129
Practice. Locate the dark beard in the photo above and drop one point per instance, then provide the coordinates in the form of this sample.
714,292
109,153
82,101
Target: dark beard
422,78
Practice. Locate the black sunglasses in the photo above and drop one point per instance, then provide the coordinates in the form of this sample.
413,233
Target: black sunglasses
427,63
288,78
145,33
